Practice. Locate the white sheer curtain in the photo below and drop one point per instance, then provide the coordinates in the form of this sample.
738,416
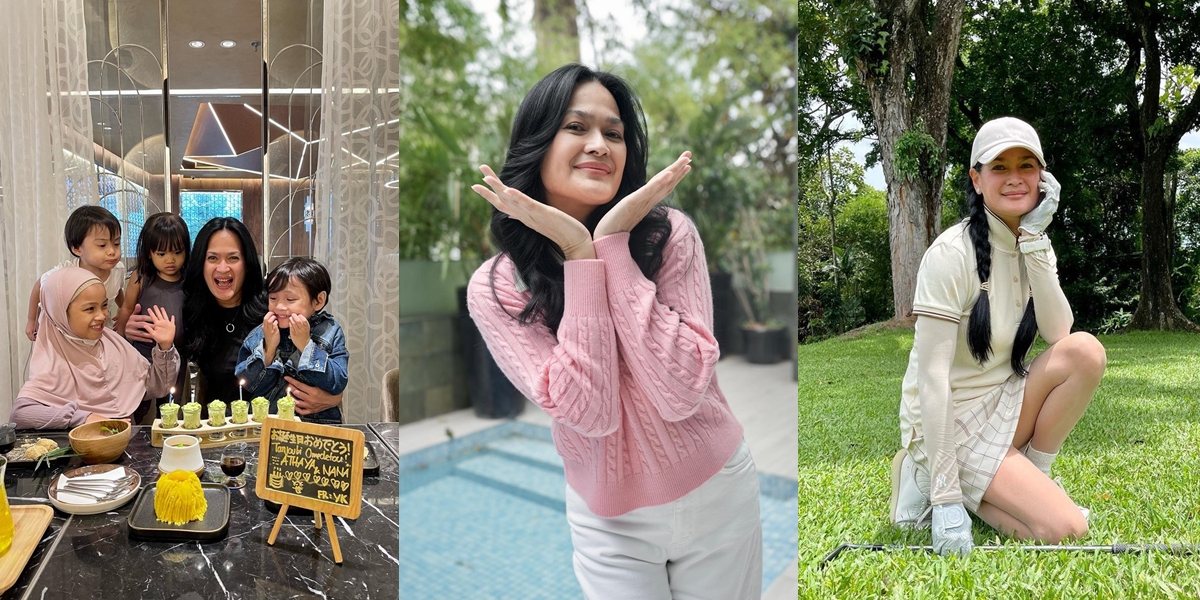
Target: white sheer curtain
357,204
46,158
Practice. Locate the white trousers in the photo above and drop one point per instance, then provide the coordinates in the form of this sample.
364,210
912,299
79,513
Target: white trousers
706,545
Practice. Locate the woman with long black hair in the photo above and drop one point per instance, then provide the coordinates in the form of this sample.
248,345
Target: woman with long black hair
598,308
223,285
979,426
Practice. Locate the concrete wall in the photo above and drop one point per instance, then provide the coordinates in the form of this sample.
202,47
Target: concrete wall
432,373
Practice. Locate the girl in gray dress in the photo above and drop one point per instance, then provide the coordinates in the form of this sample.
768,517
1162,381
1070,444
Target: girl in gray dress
162,252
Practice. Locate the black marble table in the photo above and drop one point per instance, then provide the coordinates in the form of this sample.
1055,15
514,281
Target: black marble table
389,434
92,556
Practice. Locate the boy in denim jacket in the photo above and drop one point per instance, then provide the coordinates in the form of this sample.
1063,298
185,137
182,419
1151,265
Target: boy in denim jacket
296,339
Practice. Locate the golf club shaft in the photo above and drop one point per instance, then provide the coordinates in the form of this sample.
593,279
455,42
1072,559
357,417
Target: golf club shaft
1177,549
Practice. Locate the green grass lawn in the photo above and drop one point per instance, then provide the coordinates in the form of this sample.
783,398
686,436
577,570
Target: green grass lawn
1134,459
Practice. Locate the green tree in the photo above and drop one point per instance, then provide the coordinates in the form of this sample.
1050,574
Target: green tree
438,39
710,84
1186,199
555,22
1162,40
1034,61
847,283
903,54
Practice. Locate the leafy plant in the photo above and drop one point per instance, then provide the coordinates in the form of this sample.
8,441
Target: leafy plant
917,153
1116,322
746,256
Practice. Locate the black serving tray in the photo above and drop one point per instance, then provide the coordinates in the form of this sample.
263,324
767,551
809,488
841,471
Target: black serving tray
31,436
144,525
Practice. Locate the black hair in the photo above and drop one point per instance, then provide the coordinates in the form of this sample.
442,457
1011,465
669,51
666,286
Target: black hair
162,232
199,303
311,273
539,260
979,327
83,220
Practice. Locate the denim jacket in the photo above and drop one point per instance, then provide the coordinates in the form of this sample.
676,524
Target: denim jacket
322,364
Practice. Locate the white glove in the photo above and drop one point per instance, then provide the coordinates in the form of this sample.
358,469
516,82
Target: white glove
1037,220
952,530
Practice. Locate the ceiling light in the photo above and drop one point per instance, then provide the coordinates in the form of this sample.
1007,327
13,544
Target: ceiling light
196,44
228,44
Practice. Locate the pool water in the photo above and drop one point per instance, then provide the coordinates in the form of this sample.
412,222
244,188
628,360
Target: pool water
484,516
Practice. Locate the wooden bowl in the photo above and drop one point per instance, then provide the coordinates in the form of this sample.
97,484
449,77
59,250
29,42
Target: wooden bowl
95,446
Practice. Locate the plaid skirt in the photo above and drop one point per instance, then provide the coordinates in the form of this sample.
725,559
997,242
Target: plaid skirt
983,433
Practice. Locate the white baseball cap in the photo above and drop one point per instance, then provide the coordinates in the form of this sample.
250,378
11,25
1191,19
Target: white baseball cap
999,135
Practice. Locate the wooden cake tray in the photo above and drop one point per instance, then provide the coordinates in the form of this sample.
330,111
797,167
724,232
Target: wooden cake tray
204,433
28,524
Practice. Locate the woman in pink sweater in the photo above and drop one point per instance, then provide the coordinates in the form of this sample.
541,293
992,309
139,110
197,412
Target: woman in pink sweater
598,308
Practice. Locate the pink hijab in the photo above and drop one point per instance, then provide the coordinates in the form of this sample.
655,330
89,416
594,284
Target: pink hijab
107,377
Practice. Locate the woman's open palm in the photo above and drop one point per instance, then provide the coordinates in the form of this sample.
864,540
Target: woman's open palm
633,208
562,229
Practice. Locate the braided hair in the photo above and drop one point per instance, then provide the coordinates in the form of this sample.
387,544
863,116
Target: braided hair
979,327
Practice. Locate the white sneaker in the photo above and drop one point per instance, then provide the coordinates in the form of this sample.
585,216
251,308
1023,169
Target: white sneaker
908,505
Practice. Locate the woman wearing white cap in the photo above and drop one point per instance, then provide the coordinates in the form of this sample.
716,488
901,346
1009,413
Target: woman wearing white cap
979,426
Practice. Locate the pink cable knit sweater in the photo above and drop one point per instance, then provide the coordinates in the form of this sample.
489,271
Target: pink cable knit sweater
631,378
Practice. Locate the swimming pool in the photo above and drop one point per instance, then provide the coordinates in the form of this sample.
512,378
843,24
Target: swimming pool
483,516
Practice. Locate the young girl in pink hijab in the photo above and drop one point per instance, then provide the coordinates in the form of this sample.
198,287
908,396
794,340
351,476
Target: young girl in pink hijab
82,371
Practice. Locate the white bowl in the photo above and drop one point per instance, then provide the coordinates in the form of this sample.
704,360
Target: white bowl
94,507
181,453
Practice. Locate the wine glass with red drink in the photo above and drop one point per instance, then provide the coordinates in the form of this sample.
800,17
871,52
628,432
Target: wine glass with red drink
233,463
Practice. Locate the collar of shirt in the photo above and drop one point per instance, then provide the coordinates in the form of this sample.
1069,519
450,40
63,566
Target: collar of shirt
1002,238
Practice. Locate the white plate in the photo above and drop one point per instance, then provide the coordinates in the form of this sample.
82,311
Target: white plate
131,491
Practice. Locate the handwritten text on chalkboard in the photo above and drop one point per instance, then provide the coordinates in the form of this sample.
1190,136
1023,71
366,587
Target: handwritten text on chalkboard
310,465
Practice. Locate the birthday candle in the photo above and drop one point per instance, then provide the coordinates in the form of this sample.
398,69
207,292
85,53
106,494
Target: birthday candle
171,398
241,382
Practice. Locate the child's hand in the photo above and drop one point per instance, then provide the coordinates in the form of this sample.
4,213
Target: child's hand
162,327
270,331
31,330
299,331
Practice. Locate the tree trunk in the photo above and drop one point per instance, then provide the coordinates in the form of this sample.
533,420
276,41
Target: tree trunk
555,23
909,235
831,195
922,61
1156,308
1159,139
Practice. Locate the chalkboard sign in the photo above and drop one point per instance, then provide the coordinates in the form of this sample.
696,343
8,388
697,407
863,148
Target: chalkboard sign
318,467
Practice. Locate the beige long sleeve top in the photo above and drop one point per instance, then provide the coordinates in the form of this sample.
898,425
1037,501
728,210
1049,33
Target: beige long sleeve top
943,380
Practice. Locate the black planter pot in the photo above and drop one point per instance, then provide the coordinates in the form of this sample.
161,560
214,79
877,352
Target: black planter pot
764,346
491,393
724,327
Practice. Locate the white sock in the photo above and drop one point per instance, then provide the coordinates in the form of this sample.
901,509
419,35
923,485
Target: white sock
1041,460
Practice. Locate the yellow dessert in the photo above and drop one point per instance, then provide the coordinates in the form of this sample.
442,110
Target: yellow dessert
179,498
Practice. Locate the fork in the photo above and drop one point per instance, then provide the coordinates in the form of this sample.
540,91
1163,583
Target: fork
123,481
93,495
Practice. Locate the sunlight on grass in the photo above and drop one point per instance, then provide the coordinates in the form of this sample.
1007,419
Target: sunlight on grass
1133,460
